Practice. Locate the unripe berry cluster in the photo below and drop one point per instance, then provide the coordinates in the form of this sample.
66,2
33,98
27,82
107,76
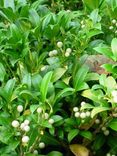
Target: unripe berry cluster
68,52
113,26
81,114
53,53
105,131
25,126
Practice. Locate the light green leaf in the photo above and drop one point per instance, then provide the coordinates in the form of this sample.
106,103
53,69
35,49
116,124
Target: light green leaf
113,124
72,134
97,110
86,106
55,153
92,77
34,17
114,47
45,84
110,83
86,134
9,88
56,118
105,51
2,72
64,92
58,73
33,108
80,77
9,3
27,80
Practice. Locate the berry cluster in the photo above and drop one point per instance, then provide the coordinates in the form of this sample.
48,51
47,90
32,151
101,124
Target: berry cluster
81,114
113,26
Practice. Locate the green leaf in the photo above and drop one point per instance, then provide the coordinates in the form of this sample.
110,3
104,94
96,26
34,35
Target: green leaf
27,80
45,84
92,33
110,83
57,118
36,81
50,140
97,110
92,77
113,124
72,134
57,74
82,86
55,153
15,32
64,92
114,47
9,88
99,141
2,72
34,17
33,108
105,51
80,77
86,106
9,3
86,134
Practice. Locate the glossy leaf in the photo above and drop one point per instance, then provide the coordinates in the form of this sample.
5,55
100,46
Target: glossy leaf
72,134
45,84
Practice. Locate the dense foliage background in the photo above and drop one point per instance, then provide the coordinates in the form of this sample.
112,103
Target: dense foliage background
58,72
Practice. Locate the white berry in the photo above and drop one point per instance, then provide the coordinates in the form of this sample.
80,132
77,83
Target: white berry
108,154
83,115
103,128
39,110
59,44
75,109
88,113
25,139
22,126
111,27
35,152
41,145
26,122
68,50
50,53
113,21
106,132
19,108
15,123
54,52
46,115
67,54
83,103
97,121
51,121
26,128
77,114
